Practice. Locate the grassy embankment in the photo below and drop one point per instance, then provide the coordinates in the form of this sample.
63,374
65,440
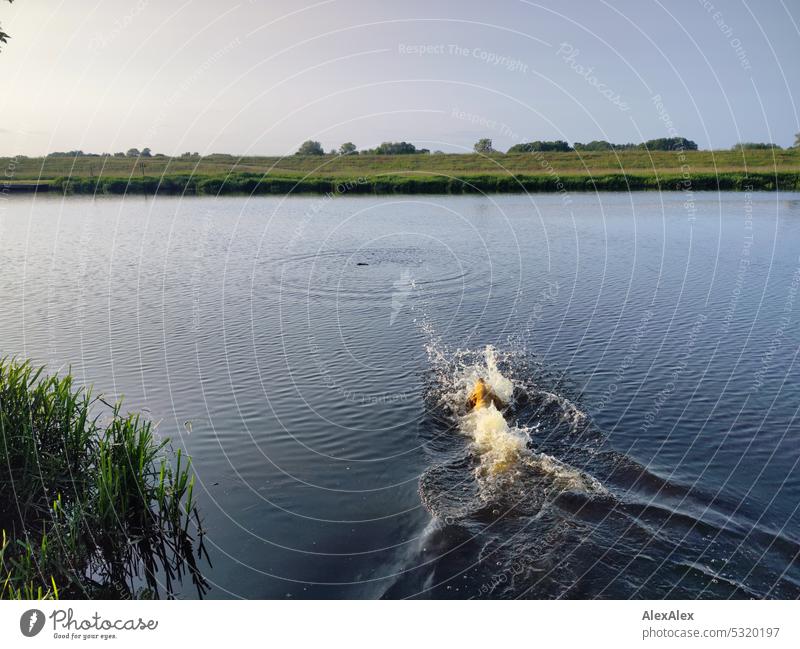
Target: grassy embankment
91,505
409,174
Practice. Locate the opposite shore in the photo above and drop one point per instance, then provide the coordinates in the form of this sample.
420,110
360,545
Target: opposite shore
755,170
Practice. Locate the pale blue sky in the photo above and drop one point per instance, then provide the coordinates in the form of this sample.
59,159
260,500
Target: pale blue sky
259,77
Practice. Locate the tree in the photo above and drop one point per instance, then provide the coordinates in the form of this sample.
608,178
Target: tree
146,153
67,154
310,147
3,36
594,145
604,145
540,145
796,144
754,145
669,144
484,145
348,148
396,148
132,153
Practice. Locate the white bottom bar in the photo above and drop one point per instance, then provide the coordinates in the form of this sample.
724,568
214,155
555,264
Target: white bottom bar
403,624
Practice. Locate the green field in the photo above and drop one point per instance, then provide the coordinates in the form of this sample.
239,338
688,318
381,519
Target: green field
437,173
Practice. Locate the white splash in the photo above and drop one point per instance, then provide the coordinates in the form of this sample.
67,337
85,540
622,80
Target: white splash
498,446
502,449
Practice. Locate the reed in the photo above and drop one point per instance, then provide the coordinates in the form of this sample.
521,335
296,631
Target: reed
92,503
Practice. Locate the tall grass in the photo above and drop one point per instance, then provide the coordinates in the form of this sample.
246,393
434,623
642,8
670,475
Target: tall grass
92,504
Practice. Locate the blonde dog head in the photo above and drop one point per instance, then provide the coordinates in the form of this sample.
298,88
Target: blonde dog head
482,396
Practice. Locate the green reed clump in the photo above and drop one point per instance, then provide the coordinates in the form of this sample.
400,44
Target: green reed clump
92,504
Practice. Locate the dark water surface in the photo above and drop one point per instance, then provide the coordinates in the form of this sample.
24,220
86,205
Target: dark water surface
307,353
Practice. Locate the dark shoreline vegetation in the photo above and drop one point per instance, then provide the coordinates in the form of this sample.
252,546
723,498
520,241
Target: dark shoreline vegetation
254,184
625,170
92,504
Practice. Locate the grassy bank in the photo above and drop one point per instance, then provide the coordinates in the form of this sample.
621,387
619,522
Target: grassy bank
91,505
407,174
594,163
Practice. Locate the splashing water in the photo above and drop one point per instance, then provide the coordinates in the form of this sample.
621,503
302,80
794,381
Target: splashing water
498,446
503,451
517,512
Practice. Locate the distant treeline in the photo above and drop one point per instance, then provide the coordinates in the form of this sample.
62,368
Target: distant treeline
130,153
755,145
484,146
312,147
423,184
660,144
395,148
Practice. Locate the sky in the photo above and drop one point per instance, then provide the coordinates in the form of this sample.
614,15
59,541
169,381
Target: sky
259,77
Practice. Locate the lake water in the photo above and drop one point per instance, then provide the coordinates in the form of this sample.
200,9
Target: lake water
312,355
